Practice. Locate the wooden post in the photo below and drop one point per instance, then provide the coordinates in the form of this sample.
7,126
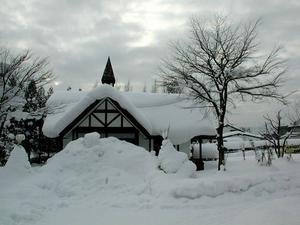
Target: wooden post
201,164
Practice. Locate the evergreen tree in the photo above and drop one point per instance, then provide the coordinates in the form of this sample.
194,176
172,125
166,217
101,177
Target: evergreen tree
35,105
41,97
31,93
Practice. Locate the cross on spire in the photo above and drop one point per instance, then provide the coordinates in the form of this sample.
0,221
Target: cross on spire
108,76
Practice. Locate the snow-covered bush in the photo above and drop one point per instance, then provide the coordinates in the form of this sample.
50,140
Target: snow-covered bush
6,146
91,139
264,157
172,161
17,162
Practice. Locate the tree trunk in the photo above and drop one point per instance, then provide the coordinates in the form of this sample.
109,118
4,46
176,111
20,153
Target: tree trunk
278,147
282,150
220,145
2,122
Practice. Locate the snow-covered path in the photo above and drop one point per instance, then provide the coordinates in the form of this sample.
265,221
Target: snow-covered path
92,185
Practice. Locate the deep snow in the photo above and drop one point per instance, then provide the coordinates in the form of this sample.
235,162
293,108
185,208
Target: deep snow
107,181
172,161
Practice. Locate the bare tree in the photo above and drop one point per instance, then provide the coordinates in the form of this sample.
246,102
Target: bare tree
154,88
128,86
220,64
274,133
173,87
15,73
145,88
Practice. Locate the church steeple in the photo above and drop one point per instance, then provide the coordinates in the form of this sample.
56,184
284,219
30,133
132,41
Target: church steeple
108,76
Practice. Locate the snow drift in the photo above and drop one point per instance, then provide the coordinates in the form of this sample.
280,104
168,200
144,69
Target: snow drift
108,181
173,161
17,163
91,155
18,159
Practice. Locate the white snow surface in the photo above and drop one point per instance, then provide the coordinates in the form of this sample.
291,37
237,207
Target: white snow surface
18,161
155,112
173,161
107,181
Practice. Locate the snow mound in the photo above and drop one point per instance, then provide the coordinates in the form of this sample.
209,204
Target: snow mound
89,163
172,161
114,182
213,188
91,139
17,162
17,168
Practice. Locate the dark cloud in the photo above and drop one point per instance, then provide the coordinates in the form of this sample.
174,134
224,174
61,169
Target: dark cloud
78,35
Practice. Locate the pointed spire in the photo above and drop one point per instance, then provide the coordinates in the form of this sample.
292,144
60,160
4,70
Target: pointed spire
108,74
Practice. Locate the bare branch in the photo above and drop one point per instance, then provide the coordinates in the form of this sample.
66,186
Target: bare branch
16,71
219,66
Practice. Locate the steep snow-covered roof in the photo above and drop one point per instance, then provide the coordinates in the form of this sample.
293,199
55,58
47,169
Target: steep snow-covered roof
155,112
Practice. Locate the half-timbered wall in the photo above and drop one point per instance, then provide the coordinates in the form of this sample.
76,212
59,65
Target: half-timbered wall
108,120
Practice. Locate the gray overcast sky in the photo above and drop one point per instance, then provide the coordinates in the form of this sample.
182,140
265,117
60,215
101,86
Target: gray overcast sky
78,35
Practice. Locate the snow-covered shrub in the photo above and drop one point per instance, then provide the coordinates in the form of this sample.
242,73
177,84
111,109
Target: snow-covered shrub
91,139
187,169
18,161
20,138
24,129
6,146
289,157
264,157
172,161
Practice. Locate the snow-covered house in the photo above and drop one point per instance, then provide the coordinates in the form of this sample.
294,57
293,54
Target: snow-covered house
139,118
231,128
245,136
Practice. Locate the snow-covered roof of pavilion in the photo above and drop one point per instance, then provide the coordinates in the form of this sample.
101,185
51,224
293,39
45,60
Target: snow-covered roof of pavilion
241,133
156,112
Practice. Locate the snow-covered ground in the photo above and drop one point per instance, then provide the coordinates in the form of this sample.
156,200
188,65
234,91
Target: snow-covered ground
107,181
